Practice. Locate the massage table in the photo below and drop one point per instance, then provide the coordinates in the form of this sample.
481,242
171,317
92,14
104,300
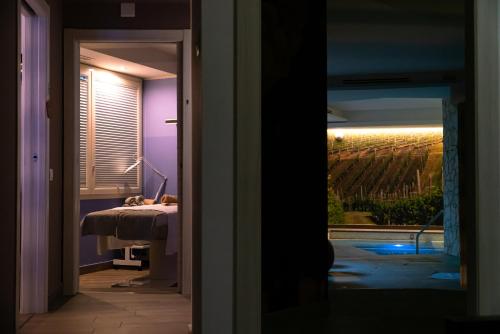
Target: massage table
124,227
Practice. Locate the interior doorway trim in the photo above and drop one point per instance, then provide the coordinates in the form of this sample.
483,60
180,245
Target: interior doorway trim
71,204
33,157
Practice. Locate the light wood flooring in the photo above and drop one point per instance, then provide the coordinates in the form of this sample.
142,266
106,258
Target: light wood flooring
98,308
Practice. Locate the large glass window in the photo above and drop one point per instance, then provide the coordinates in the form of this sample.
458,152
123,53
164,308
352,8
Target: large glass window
110,133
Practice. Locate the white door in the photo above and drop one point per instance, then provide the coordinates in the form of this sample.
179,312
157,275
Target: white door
33,158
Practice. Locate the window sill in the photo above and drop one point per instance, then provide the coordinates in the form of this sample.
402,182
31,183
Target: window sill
107,196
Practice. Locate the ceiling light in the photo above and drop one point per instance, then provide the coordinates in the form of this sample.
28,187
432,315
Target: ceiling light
338,134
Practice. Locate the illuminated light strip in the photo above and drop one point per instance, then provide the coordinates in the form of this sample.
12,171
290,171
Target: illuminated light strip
341,132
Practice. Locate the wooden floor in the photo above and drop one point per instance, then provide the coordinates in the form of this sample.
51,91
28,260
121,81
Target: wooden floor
99,308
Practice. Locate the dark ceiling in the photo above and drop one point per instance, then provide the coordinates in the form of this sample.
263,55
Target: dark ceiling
395,36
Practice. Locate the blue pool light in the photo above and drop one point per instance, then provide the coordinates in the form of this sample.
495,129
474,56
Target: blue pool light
446,276
401,248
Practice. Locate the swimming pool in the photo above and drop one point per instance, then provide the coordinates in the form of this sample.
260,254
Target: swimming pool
393,247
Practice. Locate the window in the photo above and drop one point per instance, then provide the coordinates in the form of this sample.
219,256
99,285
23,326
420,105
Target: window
110,133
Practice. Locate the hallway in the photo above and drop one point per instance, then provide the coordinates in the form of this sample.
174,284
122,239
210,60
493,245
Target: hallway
101,309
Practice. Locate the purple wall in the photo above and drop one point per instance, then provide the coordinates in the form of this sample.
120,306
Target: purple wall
88,243
160,139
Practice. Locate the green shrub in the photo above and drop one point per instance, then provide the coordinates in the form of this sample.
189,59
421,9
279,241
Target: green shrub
408,211
335,210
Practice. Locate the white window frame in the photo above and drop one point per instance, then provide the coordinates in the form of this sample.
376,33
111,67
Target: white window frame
91,191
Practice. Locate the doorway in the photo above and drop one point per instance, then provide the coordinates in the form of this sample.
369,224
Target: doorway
395,108
95,60
33,152
73,39
393,199
393,141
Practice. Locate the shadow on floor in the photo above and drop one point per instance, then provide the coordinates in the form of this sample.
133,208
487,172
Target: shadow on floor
98,308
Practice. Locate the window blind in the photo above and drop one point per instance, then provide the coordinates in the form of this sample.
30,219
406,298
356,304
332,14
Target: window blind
84,97
116,124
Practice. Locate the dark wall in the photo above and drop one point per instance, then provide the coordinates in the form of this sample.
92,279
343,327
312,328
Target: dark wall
105,14
55,111
467,165
370,36
196,108
8,136
294,213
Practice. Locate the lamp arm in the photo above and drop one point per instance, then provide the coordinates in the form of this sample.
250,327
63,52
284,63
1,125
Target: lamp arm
163,184
153,168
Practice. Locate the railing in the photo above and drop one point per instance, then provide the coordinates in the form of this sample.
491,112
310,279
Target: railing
417,247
